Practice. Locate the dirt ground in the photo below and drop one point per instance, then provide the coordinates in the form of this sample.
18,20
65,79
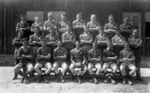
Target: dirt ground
7,85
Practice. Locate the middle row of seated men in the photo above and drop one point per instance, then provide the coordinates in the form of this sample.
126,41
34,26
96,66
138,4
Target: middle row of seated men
82,57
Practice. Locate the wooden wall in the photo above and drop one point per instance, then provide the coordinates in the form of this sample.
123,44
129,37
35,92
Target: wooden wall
10,11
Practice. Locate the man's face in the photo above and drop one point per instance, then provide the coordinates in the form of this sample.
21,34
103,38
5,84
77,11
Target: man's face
59,44
20,33
43,43
22,18
134,33
109,45
126,46
50,16
63,17
77,44
79,17
125,20
36,19
68,28
25,44
93,17
111,19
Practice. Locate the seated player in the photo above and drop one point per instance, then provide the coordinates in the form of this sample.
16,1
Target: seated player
126,28
43,60
118,42
17,42
110,28
86,40
78,62
135,44
94,61
127,62
93,26
78,25
26,61
34,40
109,59
63,25
68,40
60,56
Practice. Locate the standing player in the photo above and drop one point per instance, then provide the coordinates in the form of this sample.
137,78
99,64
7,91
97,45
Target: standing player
17,42
110,28
36,23
118,42
86,40
50,24
43,60
93,26
78,62
126,28
51,41
68,39
94,61
26,61
101,40
63,25
34,40
127,59
135,44
60,56
78,25
109,59
23,26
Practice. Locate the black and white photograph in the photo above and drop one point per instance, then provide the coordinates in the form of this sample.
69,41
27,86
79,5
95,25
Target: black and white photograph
74,46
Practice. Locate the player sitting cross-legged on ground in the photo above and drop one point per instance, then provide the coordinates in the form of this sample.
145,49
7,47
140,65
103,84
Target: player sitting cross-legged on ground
26,61
109,59
94,59
43,60
60,56
78,60
127,59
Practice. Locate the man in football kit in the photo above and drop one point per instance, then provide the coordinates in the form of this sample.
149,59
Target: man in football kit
93,26
26,62
50,24
126,28
136,44
78,62
101,40
36,23
17,42
63,25
43,60
78,25
126,60
68,40
94,61
118,42
111,27
23,26
60,57
34,40
109,59
86,40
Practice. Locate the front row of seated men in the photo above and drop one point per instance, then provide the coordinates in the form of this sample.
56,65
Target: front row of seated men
79,63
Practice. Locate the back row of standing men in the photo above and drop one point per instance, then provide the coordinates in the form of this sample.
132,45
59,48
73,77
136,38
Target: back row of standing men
85,34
